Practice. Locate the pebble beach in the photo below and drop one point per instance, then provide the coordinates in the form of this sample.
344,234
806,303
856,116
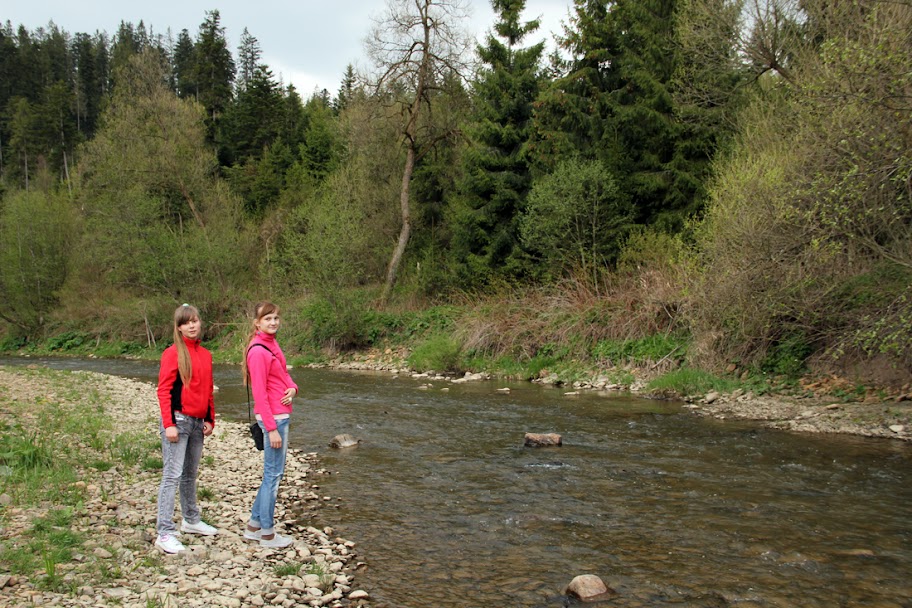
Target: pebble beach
117,519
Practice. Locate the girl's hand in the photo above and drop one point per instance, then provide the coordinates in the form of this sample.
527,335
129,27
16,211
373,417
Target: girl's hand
171,434
289,395
275,439
207,428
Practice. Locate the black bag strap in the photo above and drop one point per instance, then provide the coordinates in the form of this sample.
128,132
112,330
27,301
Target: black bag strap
247,352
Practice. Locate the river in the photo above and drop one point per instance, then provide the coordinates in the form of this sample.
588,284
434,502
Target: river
449,509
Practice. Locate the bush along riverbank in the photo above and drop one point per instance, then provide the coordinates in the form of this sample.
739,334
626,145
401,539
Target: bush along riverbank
80,464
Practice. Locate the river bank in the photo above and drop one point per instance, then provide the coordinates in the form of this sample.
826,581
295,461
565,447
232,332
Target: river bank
113,513
817,408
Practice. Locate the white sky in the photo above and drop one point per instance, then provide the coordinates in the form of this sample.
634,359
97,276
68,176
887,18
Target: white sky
305,42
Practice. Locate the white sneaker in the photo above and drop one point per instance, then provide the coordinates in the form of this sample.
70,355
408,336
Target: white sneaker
276,542
198,528
169,543
252,534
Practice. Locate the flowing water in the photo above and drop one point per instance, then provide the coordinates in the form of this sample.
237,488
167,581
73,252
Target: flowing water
450,510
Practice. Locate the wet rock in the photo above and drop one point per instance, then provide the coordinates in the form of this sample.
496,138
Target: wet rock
343,441
589,588
537,440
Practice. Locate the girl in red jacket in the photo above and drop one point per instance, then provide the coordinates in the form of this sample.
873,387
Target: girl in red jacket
187,415
273,391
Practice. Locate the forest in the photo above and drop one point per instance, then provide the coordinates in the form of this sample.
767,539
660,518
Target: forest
714,184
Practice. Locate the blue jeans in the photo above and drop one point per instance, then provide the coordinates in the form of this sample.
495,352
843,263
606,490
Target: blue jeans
262,514
180,465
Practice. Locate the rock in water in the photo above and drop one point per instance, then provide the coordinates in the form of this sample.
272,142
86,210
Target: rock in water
343,441
537,440
589,588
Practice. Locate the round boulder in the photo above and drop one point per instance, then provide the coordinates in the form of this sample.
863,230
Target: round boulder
589,588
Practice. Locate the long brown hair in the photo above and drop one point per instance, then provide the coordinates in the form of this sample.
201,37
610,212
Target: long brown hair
183,315
259,311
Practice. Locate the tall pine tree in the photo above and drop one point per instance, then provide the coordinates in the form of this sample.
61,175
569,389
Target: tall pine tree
615,104
497,176
214,70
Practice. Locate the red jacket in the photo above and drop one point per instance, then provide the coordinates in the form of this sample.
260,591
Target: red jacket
195,400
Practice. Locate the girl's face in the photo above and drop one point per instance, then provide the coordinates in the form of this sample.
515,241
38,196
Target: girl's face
191,329
268,324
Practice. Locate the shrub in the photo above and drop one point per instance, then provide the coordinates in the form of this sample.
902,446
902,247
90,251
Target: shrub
440,353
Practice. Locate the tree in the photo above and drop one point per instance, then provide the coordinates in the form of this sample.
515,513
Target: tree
249,55
496,172
37,233
184,66
23,138
576,218
91,81
213,70
414,45
157,218
615,103
346,89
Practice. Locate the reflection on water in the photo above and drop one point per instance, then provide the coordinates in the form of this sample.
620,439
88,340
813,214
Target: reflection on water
450,510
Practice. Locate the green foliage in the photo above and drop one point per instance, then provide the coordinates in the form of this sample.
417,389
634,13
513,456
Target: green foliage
806,218
576,218
440,353
496,176
650,349
157,219
37,233
787,357
688,381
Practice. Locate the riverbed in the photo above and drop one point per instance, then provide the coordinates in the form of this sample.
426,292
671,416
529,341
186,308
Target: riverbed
450,509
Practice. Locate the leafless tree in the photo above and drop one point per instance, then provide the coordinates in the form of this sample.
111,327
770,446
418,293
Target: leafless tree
416,46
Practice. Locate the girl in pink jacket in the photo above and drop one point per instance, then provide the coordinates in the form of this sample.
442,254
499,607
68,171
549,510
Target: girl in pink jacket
266,370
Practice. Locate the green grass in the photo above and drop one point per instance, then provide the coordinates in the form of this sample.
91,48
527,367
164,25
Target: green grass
688,381
288,569
650,349
320,569
440,353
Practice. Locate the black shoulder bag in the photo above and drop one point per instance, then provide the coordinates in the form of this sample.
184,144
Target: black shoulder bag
256,431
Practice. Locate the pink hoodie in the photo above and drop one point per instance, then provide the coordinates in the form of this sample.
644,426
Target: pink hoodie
269,379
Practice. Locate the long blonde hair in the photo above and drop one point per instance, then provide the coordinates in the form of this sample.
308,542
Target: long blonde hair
259,311
183,315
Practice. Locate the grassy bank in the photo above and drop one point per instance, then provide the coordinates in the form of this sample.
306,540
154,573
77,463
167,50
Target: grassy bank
57,444
569,336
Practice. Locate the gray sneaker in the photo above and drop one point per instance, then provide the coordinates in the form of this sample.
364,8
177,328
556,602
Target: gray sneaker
276,542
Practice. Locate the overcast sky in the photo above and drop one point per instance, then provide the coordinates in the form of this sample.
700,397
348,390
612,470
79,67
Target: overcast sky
305,42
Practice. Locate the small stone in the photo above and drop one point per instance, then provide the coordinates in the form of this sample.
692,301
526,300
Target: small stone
359,594
897,428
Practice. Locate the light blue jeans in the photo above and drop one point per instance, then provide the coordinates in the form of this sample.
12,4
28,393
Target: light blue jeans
180,465
262,515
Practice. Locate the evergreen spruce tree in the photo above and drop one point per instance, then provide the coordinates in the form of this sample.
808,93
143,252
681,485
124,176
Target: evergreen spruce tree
615,104
184,66
496,171
214,70
249,54
346,90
